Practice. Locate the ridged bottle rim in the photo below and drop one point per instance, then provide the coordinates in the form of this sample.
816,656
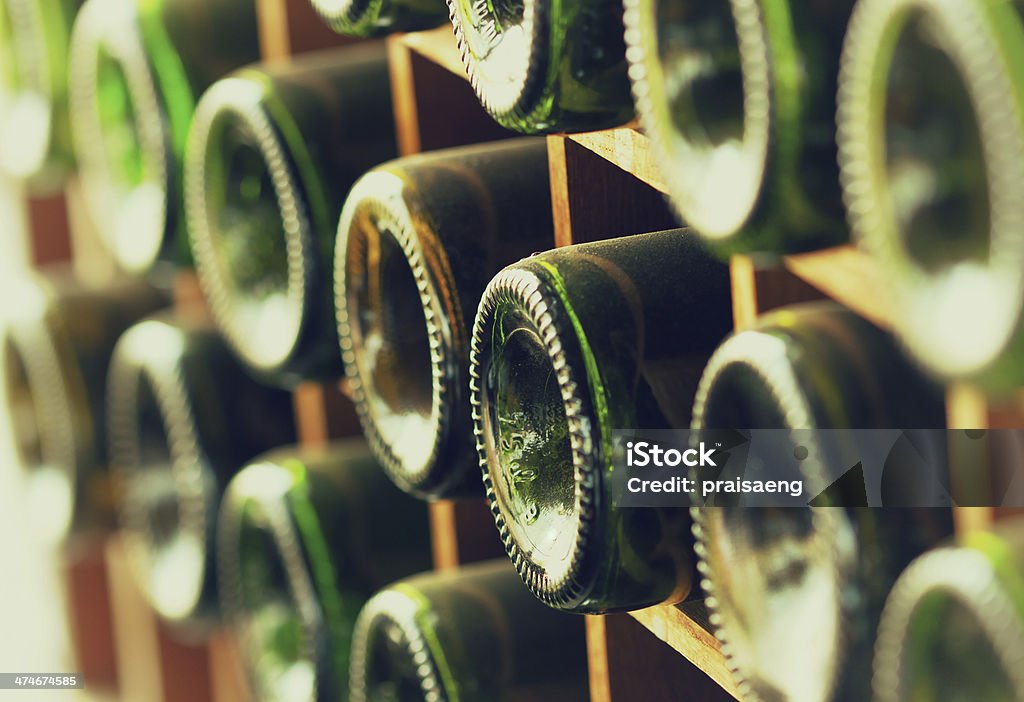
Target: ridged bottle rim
527,292
111,26
963,575
514,103
352,17
686,168
266,486
34,92
379,194
35,332
767,357
151,352
397,606
938,313
243,101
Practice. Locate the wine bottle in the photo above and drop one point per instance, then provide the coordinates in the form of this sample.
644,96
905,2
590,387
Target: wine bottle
57,345
419,240
738,99
35,135
305,537
272,154
539,67
931,148
778,578
183,418
363,18
567,346
137,70
473,634
953,626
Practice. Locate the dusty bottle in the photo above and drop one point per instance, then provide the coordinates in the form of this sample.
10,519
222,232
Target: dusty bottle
569,345
305,537
183,417
953,625
363,18
137,69
541,67
931,145
271,156
419,239
35,134
474,634
738,98
57,346
778,578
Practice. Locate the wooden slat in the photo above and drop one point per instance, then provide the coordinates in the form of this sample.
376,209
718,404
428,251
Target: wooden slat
462,531
592,200
435,108
227,676
597,659
153,665
90,618
49,228
289,27
642,668
680,631
437,46
323,412
627,148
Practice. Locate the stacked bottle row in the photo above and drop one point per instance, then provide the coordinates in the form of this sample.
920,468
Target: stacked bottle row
313,269
227,524
738,99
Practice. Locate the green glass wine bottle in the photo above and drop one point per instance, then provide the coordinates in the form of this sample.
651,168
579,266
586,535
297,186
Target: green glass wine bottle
738,99
271,157
539,67
305,537
183,417
57,345
567,346
418,241
931,145
35,134
474,634
137,69
364,18
953,626
778,578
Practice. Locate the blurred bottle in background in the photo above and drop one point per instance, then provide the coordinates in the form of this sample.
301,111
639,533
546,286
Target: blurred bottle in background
183,418
137,71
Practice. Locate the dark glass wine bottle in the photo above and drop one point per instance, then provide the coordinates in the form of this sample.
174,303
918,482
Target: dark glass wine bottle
738,99
35,135
568,346
273,152
780,578
953,626
57,345
183,417
474,634
419,240
931,146
540,67
137,70
363,18
305,537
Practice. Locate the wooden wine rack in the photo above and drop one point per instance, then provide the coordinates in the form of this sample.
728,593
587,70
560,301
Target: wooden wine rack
604,184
